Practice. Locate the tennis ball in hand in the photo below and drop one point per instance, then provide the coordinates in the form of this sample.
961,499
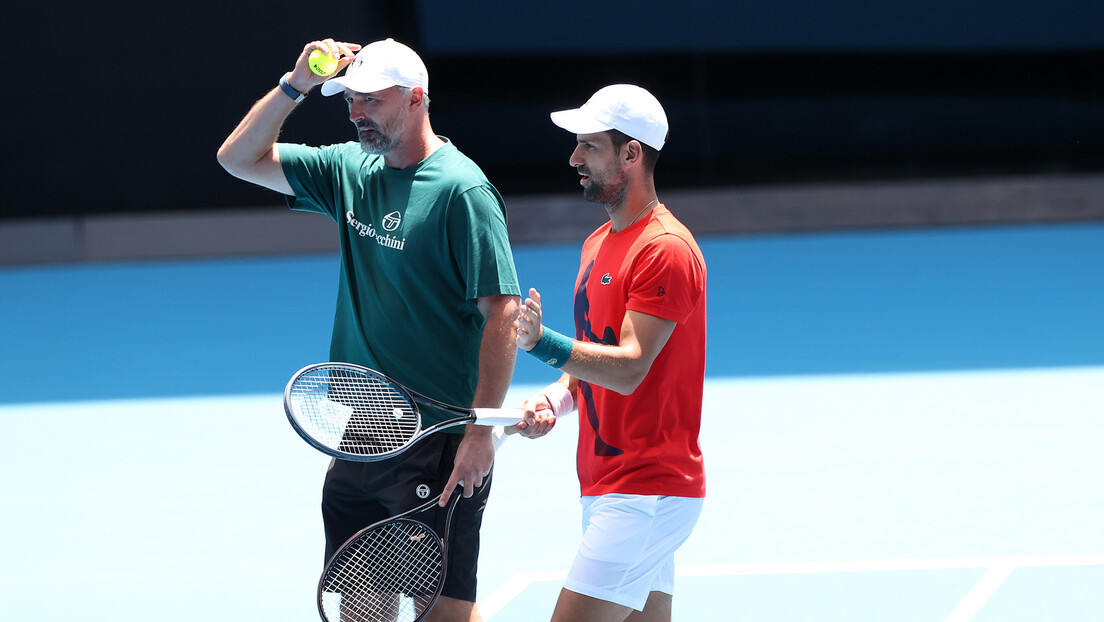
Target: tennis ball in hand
321,63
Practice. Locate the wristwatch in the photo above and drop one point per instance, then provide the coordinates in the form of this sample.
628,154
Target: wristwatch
290,90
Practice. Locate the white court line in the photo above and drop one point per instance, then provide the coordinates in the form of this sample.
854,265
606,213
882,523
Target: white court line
982,592
998,570
514,586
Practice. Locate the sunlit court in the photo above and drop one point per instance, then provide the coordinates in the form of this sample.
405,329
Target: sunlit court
895,211
899,425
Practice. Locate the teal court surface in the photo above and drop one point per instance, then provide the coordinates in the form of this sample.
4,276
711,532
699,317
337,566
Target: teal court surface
899,425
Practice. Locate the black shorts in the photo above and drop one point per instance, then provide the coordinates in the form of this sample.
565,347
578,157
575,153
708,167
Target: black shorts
357,494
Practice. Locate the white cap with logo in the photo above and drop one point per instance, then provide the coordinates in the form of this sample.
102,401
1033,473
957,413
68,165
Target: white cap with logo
379,66
623,107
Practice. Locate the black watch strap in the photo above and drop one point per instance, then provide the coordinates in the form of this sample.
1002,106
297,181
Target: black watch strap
290,90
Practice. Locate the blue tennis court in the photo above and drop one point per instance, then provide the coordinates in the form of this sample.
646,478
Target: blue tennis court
899,425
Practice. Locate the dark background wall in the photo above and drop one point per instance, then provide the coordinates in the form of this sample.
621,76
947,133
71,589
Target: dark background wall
133,99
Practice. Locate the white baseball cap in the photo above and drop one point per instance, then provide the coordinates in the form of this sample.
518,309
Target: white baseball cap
379,66
623,107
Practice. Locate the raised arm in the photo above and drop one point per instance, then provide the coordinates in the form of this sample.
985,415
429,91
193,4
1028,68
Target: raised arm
250,152
620,367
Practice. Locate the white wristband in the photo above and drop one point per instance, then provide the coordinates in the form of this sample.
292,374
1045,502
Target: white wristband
559,398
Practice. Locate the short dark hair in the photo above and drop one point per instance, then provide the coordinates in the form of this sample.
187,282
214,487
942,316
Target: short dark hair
620,139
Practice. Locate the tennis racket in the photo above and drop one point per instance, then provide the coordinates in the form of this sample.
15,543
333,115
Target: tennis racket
355,413
390,571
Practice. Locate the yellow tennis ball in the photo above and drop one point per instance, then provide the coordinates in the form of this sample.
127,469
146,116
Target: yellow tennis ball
321,63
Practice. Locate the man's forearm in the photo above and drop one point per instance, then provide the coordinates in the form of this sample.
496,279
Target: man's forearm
252,142
620,367
497,352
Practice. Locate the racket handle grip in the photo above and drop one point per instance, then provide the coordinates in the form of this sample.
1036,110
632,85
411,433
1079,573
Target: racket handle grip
498,436
498,416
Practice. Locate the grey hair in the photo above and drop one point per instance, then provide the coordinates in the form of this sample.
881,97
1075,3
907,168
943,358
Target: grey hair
406,90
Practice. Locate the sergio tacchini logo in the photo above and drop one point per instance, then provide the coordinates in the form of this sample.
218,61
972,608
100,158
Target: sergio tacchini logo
391,222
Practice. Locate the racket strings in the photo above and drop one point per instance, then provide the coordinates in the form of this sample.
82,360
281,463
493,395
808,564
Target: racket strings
354,412
391,572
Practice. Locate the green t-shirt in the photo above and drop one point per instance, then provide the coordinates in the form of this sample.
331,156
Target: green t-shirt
418,246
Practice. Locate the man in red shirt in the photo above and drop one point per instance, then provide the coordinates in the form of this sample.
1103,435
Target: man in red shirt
635,368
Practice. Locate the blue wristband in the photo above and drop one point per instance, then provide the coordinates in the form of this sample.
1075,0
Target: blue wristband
553,348
289,90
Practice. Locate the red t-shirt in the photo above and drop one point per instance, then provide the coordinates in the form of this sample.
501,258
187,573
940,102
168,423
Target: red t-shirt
647,442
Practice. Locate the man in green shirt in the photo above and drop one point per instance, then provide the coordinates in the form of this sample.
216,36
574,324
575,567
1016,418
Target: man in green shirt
427,291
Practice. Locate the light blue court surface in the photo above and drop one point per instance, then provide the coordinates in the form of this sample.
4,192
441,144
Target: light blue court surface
901,425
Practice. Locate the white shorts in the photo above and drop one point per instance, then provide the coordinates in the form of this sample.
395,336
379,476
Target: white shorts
628,546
